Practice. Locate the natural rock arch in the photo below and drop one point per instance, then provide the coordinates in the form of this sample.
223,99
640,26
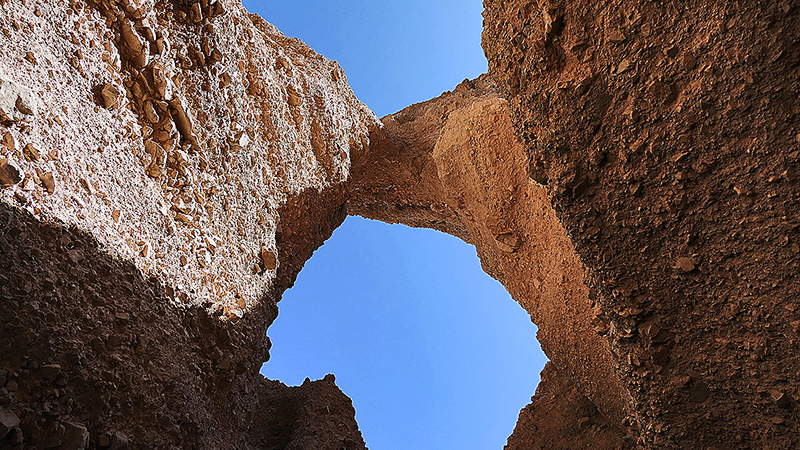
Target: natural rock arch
454,164
184,158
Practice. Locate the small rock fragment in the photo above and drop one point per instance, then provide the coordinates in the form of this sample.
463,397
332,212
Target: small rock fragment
780,398
216,9
507,242
294,98
195,14
119,441
17,102
160,83
30,58
623,66
141,346
150,113
8,141
158,157
153,171
182,121
133,46
743,191
109,95
616,37
48,182
23,107
685,265
50,371
790,174
650,330
215,57
673,51
10,174
30,153
76,436
180,217
8,420
689,62
267,260
87,185
224,80
122,317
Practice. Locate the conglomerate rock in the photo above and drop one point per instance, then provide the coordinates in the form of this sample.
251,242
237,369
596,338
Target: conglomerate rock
668,135
167,168
173,132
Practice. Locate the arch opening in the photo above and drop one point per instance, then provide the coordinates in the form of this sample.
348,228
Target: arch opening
433,352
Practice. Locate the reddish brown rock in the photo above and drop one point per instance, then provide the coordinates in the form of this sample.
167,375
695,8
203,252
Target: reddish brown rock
626,170
702,254
456,165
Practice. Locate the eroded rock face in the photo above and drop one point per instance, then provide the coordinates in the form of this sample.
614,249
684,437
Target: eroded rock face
454,164
173,132
167,167
667,136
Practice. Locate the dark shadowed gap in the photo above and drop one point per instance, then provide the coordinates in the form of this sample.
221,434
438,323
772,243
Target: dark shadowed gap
433,352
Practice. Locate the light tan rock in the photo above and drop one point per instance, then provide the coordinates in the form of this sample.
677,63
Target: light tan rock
152,114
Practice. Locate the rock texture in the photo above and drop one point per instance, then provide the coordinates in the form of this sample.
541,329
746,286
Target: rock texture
628,170
167,168
667,134
172,131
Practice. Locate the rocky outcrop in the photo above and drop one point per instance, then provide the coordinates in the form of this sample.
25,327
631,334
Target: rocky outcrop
454,164
670,160
560,416
173,132
167,168
90,342
666,134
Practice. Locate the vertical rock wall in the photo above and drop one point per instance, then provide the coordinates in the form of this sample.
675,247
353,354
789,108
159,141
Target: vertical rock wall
667,135
167,168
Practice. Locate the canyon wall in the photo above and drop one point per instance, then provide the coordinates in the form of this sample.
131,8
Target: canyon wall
667,136
167,169
628,170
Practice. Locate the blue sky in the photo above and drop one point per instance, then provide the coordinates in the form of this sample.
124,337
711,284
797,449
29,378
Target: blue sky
395,53
433,352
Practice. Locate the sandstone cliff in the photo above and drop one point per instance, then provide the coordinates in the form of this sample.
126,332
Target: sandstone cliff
628,170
